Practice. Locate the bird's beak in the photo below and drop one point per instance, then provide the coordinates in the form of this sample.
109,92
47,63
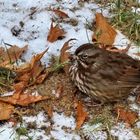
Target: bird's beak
73,57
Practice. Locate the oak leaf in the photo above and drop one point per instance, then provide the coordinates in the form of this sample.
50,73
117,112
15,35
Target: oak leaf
31,73
37,58
24,99
81,115
60,13
20,86
127,116
11,55
49,110
55,33
41,78
5,110
64,55
104,33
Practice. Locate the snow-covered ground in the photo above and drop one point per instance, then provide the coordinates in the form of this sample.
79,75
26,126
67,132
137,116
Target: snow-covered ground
34,33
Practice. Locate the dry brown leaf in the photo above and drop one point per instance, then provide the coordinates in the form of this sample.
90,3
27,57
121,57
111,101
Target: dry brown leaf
60,13
37,58
24,68
11,55
10,99
127,116
20,86
49,110
64,54
5,110
105,33
25,77
24,99
33,73
81,115
41,78
55,33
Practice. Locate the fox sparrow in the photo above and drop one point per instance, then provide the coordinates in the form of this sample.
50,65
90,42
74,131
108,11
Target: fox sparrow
103,75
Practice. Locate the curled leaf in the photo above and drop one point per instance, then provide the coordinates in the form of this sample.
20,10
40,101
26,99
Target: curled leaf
81,115
127,116
23,99
31,73
55,33
64,54
5,110
49,110
60,13
105,33
11,55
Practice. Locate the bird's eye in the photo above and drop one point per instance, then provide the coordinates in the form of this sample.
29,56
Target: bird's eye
84,56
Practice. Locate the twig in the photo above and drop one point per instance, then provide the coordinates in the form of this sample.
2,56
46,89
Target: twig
86,30
7,51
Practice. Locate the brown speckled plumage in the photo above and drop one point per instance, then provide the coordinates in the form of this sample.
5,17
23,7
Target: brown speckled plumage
105,76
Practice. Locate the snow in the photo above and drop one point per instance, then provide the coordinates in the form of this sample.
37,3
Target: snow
7,132
34,33
123,133
94,132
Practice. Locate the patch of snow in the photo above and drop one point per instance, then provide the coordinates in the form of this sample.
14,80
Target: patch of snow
123,133
121,41
93,132
7,132
40,120
60,121
138,124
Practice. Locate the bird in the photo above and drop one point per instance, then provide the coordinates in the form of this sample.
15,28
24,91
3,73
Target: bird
104,75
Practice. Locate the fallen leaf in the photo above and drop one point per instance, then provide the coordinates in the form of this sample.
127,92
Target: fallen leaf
81,115
41,78
24,78
64,55
37,58
24,68
55,33
49,110
127,116
60,13
104,33
20,86
31,73
24,99
5,110
11,55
